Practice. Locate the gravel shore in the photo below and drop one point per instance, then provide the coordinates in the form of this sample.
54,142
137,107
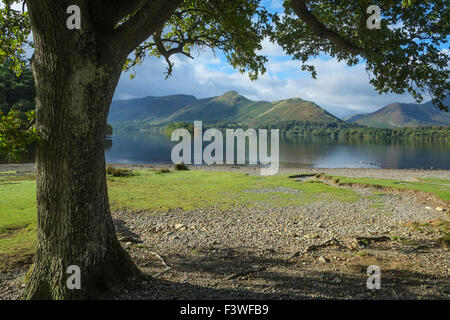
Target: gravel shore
399,174
321,250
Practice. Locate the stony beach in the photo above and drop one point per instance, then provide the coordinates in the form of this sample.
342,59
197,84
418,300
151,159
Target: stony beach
320,250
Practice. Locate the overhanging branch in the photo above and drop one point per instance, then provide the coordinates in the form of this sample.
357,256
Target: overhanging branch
168,53
321,30
147,20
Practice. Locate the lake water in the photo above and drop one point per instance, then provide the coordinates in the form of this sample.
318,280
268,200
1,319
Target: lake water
136,147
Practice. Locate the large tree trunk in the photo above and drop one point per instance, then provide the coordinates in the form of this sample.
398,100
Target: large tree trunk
76,74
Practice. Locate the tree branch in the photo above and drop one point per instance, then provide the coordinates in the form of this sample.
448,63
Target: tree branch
167,53
147,20
321,30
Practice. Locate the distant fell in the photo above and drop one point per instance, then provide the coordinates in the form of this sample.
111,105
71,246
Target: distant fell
231,107
396,115
152,108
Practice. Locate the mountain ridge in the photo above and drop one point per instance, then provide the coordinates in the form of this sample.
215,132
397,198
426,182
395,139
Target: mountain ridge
233,108
399,115
230,107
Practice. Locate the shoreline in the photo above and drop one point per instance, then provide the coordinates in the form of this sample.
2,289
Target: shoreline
399,174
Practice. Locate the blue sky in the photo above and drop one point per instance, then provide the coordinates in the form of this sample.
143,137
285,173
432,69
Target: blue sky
340,89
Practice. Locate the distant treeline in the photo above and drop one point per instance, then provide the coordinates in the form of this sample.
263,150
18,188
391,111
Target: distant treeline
344,130
334,130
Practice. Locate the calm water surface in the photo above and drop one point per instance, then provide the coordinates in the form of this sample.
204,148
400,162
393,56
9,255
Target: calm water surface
152,148
136,147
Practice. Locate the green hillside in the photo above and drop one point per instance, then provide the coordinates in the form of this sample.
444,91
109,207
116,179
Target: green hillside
148,108
397,115
230,107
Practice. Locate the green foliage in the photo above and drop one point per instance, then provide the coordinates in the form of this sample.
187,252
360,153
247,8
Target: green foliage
189,126
16,133
16,92
15,27
235,27
405,55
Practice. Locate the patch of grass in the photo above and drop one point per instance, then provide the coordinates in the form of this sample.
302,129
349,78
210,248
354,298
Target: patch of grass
438,225
438,187
363,253
403,240
314,181
196,189
377,205
6,177
118,172
181,166
17,222
163,170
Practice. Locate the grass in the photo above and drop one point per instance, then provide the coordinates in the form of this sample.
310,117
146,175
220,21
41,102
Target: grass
437,225
377,205
440,188
118,172
152,190
17,220
187,190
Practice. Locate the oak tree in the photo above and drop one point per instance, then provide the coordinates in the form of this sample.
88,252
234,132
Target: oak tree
76,72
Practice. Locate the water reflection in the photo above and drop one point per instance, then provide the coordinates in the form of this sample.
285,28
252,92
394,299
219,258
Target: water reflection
155,148
146,147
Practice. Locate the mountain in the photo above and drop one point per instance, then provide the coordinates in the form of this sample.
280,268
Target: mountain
354,117
397,115
230,107
152,108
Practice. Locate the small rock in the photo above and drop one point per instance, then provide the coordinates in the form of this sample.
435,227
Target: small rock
179,226
312,236
323,259
440,209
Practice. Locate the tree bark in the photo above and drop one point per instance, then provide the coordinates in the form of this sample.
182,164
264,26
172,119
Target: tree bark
76,73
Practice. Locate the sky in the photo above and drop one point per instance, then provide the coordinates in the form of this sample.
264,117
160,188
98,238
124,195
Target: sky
339,89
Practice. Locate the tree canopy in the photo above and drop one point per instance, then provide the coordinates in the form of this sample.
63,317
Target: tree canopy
406,54
16,93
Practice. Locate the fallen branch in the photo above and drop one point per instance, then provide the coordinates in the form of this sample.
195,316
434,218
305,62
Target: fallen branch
331,242
365,241
164,264
130,239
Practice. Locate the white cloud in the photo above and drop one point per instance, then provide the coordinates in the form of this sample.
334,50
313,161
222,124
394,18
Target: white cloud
276,4
271,49
340,89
